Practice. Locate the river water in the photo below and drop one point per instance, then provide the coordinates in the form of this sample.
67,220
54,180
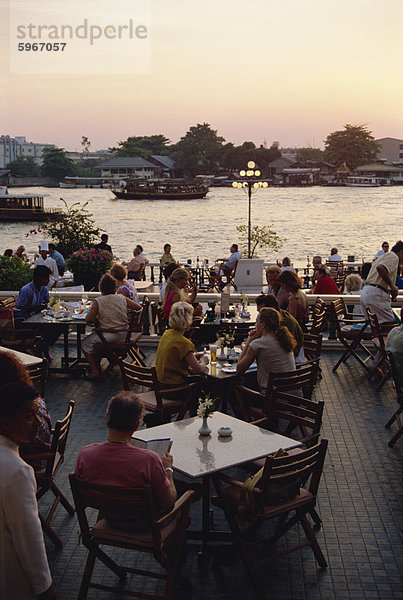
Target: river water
310,220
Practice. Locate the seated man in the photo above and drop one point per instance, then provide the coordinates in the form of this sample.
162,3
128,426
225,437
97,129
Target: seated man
137,264
274,286
32,298
324,283
230,263
384,250
116,462
59,258
24,570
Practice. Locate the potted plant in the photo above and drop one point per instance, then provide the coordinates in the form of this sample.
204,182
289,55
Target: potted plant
88,265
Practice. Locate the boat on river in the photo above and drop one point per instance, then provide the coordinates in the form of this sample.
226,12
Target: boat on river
24,207
362,181
161,189
70,183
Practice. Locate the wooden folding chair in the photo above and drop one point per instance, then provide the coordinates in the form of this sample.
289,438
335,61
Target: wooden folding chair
381,364
39,374
350,338
319,318
17,339
46,479
287,492
9,302
397,380
164,538
162,400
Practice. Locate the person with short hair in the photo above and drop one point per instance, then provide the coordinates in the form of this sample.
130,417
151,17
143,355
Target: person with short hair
8,252
167,258
271,344
274,286
230,263
110,311
117,463
384,249
176,353
137,264
324,283
334,256
24,570
119,272
59,258
34,296
103,244
380,282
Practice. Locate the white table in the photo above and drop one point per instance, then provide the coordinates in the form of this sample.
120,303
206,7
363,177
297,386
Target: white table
200,456
27,359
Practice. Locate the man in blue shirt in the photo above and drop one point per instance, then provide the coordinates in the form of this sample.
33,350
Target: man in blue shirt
59,258
32,298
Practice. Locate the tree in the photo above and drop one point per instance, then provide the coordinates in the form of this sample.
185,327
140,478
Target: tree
14,273
72,229
143,146
85,142
56,164
199,150
310,154
24,166
261,237
355,146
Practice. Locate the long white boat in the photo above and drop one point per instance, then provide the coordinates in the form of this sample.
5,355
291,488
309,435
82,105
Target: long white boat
86,182
362,181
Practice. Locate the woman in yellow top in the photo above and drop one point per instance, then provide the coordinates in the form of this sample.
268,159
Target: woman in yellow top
176,353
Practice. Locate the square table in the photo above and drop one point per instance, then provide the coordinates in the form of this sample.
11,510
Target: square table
199,456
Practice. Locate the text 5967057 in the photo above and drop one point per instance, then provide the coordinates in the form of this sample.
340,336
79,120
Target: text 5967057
42,47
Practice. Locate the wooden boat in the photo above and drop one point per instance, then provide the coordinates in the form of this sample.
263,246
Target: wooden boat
86,182
24,207
161,189
361,181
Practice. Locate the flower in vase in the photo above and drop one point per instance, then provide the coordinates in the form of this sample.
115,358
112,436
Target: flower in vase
206,406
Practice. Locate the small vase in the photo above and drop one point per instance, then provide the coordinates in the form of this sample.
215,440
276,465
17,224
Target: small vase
204,429
222,355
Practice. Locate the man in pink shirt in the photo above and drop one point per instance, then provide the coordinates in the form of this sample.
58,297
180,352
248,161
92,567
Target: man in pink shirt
116,462
137,264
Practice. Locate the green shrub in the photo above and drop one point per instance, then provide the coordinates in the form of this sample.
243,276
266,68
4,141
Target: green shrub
88,265
14,274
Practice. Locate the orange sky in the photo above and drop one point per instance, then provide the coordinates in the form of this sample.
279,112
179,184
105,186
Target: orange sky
260,70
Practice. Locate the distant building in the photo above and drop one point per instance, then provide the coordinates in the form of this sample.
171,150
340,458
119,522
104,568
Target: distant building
391,151
128,166
276,166
165,165
12,148
290,153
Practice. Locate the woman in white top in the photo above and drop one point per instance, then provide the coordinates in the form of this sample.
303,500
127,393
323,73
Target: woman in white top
271,344
110,311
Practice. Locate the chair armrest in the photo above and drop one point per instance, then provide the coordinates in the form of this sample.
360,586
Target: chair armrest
186,498
249,392
227,479
260,422
182,388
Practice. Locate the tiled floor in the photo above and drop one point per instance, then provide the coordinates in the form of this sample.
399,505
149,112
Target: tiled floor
360,501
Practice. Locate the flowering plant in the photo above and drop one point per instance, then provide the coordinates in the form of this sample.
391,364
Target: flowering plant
225,339
88,265
206,405
244,300
53,300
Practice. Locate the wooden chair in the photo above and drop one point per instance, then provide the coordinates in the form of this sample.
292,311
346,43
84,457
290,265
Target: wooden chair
397,380
350,338
252,405
39,374
339,280
335,267
164,537
274,498
381,364
23,340
46,479
116,351
162,401
319,318
9,302
312,345
162,320
230,276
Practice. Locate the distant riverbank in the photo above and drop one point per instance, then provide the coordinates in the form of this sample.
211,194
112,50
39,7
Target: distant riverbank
312,220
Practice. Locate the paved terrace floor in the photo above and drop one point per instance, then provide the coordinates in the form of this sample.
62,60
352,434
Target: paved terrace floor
360,501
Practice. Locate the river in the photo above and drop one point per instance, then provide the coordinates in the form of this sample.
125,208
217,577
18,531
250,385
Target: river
309,220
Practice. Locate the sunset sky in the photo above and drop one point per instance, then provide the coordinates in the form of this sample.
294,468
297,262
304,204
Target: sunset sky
259,70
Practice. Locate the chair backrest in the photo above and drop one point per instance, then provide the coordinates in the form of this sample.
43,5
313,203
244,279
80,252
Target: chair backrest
305,467
335,267
133,374
300,412
312,345
7,327
302,378
38,374
8,302
318,316
339,280
376,331
59,440
396,376
162,320
115,503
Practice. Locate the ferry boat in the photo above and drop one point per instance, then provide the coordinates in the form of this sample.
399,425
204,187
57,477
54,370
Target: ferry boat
362,181
86,182
24,207
161,189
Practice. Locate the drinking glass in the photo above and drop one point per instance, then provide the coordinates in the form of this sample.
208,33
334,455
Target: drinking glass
213,352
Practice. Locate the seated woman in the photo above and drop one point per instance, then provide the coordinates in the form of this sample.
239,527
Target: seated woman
176,353
298,305
12,370
271,344
119,272
110,312
175,292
